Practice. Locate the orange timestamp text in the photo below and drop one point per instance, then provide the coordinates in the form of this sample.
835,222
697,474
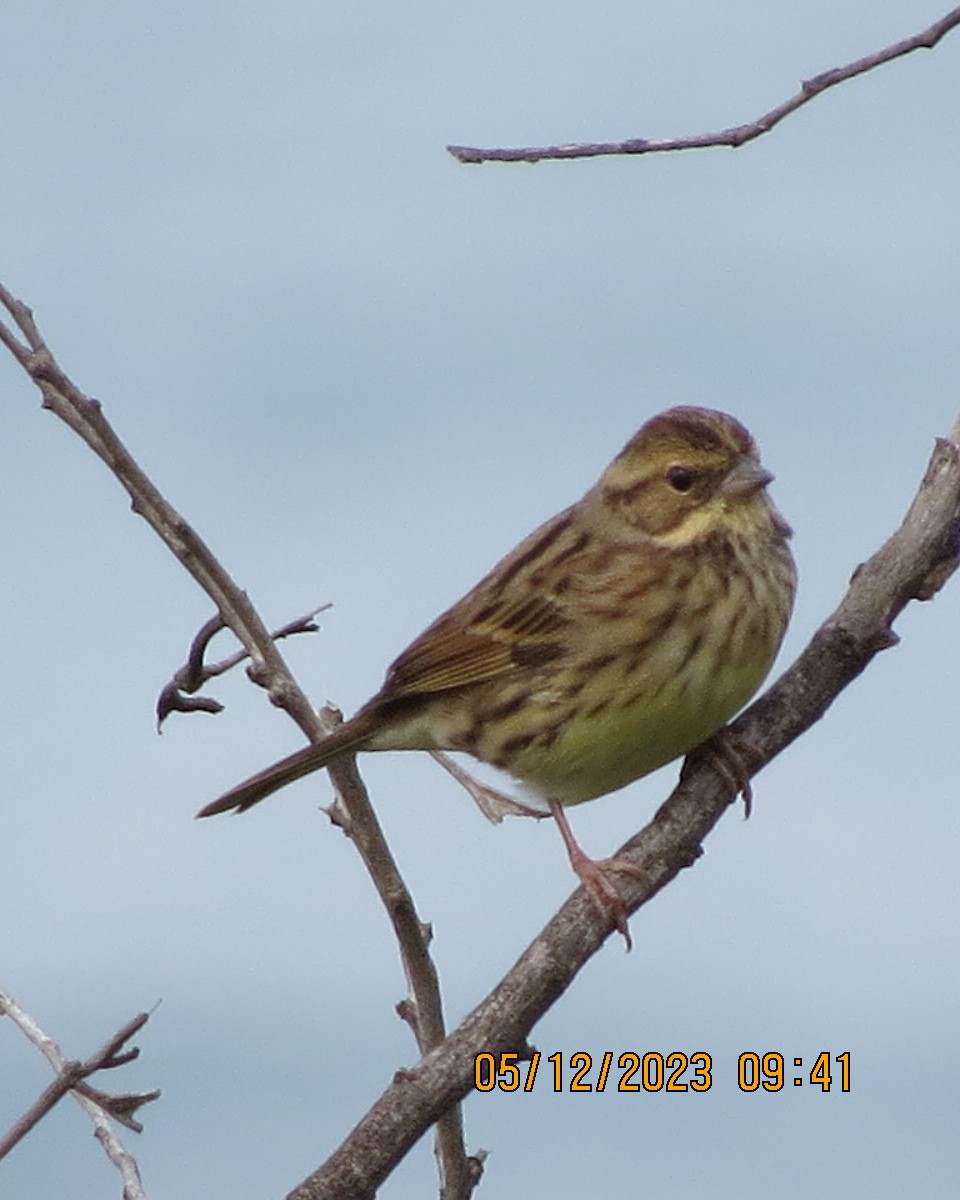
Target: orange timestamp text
654,1071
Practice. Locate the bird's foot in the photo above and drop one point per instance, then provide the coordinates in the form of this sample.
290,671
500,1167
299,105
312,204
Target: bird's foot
494,805
596,876
734,758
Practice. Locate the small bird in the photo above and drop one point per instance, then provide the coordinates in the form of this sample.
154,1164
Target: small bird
615,638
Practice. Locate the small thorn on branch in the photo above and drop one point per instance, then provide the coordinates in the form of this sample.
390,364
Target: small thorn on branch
407,1012
121,1108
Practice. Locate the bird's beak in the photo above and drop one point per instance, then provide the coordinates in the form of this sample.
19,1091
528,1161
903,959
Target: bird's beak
746,478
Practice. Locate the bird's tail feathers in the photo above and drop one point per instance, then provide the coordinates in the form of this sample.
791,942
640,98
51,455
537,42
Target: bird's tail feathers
348,738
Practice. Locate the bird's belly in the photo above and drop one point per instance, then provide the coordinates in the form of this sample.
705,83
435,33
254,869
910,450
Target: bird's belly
616,736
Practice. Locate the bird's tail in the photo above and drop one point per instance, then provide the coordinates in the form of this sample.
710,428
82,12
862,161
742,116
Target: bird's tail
349,737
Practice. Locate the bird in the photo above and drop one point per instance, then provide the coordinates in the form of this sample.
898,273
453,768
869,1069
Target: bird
618,636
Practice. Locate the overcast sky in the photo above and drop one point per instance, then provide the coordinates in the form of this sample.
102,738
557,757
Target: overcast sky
364,372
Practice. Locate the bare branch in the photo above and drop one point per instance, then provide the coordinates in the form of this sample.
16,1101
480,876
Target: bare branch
70,1078
178,695
733,137
423,1012
912,565
268,669
85,417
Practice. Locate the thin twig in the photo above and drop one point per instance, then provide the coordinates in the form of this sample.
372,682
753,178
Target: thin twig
179,694
423,1011
733,137
913,564
268,669
98,1105
85,417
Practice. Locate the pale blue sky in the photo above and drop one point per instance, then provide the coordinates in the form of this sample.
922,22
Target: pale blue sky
364,372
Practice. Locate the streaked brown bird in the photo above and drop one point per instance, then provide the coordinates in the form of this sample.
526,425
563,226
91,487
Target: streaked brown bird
616,637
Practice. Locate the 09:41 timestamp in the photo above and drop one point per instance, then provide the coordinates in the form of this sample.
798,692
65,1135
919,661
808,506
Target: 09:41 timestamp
769,1072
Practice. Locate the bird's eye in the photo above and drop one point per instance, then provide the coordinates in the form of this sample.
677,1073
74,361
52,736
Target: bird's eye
681,479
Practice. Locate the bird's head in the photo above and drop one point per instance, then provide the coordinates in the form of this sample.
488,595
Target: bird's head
687,473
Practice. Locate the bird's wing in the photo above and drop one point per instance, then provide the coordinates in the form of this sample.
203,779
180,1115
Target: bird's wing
501,637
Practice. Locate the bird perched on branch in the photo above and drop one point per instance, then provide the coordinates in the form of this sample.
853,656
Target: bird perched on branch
618,636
